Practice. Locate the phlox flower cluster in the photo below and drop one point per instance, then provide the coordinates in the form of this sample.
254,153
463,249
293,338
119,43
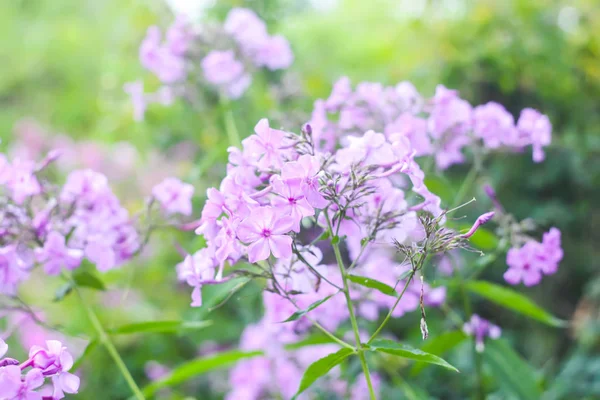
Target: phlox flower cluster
480,328
43,376
279,182
531,261
58,227
222,57
528,260
442,126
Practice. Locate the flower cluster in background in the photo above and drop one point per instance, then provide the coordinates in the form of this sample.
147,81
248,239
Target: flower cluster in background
58,226
27,380
443,126
223,57
480,328
529,262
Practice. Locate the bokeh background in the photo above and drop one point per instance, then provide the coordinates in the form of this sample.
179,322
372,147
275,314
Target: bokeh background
63,64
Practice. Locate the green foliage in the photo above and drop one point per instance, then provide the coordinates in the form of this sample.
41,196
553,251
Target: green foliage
300,313
373,284
514,301
406,351
197,367
321,367
515,375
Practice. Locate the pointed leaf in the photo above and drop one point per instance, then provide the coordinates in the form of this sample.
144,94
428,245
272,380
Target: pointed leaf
63,291
513,373
300,313
513,300
159,327
438,345
88,349
405,351
197,367
314,339
88,279
322,367
373,284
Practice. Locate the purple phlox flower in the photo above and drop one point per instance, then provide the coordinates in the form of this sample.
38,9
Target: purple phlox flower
174,196
291,200
370,149
13,270
222,69
197,270
307,168
523,265
246,28
226,243
481,220
449,122
266,231
165,60
414,129
265,145
408,97
275,53
55,360
533,259
55,254
493,124
534,128
480,329
22,180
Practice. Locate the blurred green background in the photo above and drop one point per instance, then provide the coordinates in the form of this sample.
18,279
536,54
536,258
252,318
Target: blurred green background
63,63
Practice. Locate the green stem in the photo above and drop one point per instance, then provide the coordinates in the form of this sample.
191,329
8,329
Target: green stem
480,393
466,186
389,314
230,128
110,347
346,290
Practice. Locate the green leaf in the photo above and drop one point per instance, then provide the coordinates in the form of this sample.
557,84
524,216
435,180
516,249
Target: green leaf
373,284
513,300
300,313
63,291
322,367
159,327
88,349
438,345
314,339
197,367
405,351
324,236
88,279
512,372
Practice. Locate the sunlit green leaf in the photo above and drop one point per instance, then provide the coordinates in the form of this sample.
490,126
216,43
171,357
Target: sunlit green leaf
159,327
63,291
511,371
322,367
513,300
405,351
198,367
438,345
300,313
88,279
373,284
88,349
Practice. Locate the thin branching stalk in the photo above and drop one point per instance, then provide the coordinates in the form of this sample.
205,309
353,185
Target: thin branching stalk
354,323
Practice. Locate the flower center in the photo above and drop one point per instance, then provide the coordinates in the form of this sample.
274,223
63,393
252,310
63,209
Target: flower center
266,233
